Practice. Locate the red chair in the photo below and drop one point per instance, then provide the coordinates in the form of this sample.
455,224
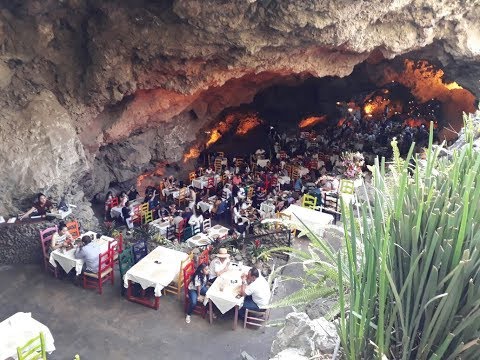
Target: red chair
210,184
274,182
188,272
116,246
181,229
45,239
73,229
137,215
114,202
105,273
204,257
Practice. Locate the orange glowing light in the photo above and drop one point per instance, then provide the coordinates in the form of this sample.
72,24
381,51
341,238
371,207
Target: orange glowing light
453,86
312,120
215,135
193,153
247,123
369,108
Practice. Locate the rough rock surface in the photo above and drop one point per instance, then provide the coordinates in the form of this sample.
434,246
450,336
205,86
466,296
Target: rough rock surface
105,72
309,337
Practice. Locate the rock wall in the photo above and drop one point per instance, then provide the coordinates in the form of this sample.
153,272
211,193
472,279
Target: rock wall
92,92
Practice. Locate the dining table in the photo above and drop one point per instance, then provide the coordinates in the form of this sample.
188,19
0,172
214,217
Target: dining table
156,270
224,293
66,258
160,225
17,330
206,238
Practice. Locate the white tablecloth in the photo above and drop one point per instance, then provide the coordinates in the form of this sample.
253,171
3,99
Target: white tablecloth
148,273
284,180
205,206
199,240
202,181
217,231
314,220
61,214
160,226
226,299
263,162
67,259
17,330
116,211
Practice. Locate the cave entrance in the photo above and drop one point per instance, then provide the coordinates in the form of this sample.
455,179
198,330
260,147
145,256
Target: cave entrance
362,112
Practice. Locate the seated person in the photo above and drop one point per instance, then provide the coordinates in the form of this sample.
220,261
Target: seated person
241,227
298,185
40,208
177,219
219,207
132,193
61,238
256,291
88,252
317,192
191,196
226,192
108,205
122,199
196,219
187,214
220,264
196,288
127,215
153,203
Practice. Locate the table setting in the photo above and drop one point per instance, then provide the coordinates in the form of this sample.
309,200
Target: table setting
66,257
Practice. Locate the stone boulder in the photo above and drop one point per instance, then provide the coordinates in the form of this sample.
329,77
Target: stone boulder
290,354
309,337
320,307
39,152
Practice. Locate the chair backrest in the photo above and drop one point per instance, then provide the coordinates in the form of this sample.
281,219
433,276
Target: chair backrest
309,201
218,164
183,264
250,192
204,257
274,181
148,217
140,250
346,187
34,349
182,193
295,173
113,247
195,229
210,182
144,208
45,237
170,232
114,202
207,224
187,233
188,271
192,175
181,226
73,229
119,238
105,261
125,260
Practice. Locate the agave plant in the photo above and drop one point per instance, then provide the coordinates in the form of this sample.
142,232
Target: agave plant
415,294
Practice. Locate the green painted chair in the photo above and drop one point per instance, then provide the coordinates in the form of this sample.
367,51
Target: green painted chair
125,262
347,187
34,349
309,201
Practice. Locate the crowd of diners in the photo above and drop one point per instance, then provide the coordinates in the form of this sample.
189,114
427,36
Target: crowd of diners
233,189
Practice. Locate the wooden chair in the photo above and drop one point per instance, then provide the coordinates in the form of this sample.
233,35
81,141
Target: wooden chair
259,318
175,287
283,216
295,173
274,184
144,208
139,250
207,224
114,202
147,217
218,165
188,272
289,169
73,229
309,201
196,229
191,176
250,192
187,233
115,247
45,239
204,257
182,196
346,187
180,229
34,349
125,262
225,179
171,235
105,273
137,215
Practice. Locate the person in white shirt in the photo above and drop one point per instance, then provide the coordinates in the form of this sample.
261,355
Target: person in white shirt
195,220
220,264
192,197
256,291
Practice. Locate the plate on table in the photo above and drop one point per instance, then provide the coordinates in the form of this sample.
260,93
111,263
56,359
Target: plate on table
223,231
217,227
196,237
203,242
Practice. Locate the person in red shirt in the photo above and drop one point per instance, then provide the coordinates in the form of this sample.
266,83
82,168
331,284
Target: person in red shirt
41,207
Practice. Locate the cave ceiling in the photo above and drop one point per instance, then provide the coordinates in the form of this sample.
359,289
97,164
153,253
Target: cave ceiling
132,72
